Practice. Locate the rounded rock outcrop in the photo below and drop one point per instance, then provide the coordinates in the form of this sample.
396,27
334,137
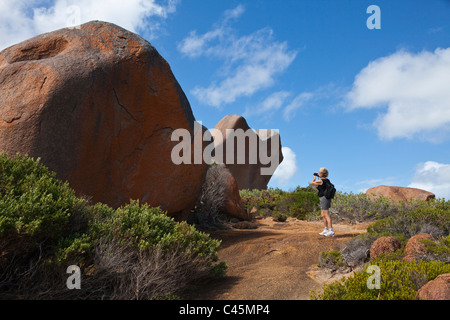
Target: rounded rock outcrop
252,156
98,105
400,193
384,245
437,289
416,247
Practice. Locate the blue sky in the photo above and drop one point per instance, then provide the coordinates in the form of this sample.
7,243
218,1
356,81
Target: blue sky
373,106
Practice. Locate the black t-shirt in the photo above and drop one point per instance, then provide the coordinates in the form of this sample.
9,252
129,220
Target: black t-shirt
323,187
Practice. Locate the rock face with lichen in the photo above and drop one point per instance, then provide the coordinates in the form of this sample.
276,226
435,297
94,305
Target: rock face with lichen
98,105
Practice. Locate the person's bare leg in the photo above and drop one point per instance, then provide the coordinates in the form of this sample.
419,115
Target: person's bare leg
324,218
327,219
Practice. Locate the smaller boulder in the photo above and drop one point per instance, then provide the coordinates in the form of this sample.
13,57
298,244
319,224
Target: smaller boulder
233,206
437,289
247,146
415,246
384,245
400,193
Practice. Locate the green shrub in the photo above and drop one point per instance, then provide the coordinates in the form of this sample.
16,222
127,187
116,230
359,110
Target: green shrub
147,228
262,199
76,249
399,281
37,211
168,256
34,204
332,260
133,252
438,250
429,218
434,220
357,250
300,203
246,193
397,255
138,252
359,208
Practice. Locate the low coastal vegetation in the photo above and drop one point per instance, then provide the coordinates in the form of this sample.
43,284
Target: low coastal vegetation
132,252
400,278
301,203
138,252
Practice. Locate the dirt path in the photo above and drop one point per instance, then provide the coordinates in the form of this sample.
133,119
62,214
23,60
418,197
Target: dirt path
273,262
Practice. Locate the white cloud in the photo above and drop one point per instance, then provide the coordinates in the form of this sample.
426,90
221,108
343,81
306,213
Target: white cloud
15,25
279,100
434,177
267,107
233,13
250,62
274,101
287,169
295,104
196,45
415,88
23,19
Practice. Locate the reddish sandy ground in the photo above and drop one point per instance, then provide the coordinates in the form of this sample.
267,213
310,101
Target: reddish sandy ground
276,261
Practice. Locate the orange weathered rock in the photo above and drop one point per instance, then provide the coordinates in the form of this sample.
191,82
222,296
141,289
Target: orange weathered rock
400,193
248,175
384,245
416,246
233,206
98,105
437,289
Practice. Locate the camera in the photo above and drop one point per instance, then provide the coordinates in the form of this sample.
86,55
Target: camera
317,175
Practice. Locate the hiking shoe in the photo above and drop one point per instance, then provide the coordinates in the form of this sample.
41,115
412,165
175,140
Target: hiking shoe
329,234
324,232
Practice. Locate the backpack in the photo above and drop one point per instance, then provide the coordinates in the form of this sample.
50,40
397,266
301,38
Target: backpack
330,190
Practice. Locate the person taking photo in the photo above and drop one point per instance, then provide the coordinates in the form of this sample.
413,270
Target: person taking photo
325,203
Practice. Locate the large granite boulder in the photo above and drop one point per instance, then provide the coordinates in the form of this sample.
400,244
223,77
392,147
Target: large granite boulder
98,105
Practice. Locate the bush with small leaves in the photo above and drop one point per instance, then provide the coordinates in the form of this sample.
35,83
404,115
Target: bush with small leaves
438,250
332,260
399,281
357,208
133,252
301,203
408,223
34,204
357,250
208,209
